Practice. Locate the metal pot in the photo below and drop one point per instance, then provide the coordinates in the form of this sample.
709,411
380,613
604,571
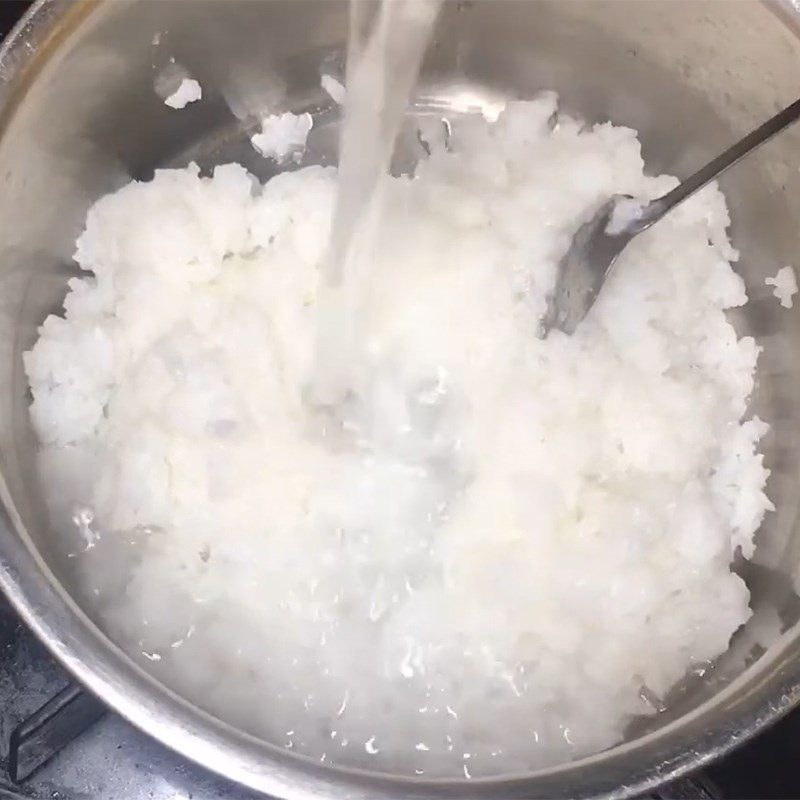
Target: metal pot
79,116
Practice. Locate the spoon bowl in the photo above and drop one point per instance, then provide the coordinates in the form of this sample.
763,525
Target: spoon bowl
597,243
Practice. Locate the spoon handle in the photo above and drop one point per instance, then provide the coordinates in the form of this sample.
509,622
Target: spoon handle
783,119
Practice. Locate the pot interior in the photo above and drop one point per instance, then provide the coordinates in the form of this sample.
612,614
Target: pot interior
82,117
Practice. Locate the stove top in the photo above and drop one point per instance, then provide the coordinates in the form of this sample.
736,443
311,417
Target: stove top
58,743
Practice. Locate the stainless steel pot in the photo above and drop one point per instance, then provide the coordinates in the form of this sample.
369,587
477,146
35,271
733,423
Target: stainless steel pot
79,116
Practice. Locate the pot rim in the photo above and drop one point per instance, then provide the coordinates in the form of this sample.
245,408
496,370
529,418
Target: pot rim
752,701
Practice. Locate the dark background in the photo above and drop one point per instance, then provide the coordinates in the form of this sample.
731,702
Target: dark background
10,12
768,769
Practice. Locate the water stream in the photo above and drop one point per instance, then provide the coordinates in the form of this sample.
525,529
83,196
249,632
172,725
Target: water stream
385,49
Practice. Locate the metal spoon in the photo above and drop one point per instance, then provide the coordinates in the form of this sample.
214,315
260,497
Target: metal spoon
596,244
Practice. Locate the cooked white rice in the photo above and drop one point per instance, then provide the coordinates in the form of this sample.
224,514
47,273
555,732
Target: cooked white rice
282,135
189,91
784,286
503,548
